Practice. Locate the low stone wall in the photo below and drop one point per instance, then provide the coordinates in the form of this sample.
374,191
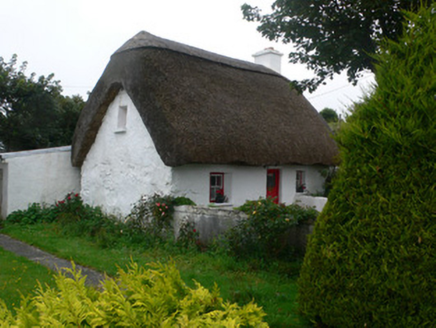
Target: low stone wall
317,202
211,222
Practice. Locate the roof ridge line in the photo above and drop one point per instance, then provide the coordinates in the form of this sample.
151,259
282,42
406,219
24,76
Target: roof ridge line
272,73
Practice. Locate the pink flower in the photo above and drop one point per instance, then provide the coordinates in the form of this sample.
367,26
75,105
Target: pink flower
76,195
163,213
157,204
69,198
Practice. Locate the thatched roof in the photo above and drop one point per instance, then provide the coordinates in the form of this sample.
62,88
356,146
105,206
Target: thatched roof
200,107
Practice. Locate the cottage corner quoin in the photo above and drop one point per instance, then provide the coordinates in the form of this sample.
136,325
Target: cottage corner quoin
168,118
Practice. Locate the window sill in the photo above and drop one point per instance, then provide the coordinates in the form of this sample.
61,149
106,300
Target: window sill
220,204
120,131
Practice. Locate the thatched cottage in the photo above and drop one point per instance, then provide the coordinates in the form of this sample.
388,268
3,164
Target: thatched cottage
169,118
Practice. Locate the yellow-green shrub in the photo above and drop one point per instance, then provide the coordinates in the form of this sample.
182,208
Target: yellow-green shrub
371,260
138,297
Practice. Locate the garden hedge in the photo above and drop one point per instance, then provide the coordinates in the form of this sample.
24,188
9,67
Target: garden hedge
371,261
140,297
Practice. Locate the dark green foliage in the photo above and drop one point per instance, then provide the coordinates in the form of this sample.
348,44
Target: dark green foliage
332,36
35,213
73,218
150,221
329,115
371,260
188,236
153,215
328,174
33,113
264,234
179,201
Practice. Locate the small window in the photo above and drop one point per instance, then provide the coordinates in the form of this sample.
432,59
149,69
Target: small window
216,187
122,119
301,181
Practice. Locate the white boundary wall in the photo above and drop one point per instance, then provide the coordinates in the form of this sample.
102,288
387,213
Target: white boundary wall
122,164
36,176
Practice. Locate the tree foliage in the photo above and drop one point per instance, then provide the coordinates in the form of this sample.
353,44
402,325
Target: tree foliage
33,112
372,257
331,35
329,115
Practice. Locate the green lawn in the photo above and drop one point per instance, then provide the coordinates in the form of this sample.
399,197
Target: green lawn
19,276
239,281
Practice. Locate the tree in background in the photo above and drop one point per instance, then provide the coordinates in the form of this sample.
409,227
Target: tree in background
371,259
33,112
329,115
332,36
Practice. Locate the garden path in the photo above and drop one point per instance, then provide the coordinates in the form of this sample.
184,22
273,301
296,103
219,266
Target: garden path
54,263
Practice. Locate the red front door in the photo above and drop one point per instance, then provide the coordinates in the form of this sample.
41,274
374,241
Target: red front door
272,184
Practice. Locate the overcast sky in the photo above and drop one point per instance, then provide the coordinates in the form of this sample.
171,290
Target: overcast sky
74,39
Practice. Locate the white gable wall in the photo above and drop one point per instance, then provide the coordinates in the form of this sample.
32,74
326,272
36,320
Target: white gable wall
121,166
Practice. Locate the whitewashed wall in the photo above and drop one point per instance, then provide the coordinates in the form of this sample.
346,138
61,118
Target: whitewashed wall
122,164
241,183
36,176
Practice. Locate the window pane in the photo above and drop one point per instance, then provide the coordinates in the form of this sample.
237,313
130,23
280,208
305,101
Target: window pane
270,180
300,181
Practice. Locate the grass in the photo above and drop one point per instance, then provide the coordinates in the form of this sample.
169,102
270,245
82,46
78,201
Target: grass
19,277
239,281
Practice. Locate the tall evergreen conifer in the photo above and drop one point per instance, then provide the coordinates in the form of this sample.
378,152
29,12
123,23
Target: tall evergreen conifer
371,260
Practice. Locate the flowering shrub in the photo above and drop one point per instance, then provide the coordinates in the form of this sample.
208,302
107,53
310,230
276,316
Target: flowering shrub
72,203
188,236
265,233
35,213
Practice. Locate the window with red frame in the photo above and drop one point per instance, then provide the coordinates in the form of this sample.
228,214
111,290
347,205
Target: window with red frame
216,185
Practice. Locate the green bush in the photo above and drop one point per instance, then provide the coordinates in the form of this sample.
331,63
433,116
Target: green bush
152,216
149,222
265,233
74,218
179,201
154,297
188,236
371,260
35,213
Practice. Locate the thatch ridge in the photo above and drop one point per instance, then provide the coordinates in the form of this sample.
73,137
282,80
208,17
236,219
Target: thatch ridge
198,110
143,40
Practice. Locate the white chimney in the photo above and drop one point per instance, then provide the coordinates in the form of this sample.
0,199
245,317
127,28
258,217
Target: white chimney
270,58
